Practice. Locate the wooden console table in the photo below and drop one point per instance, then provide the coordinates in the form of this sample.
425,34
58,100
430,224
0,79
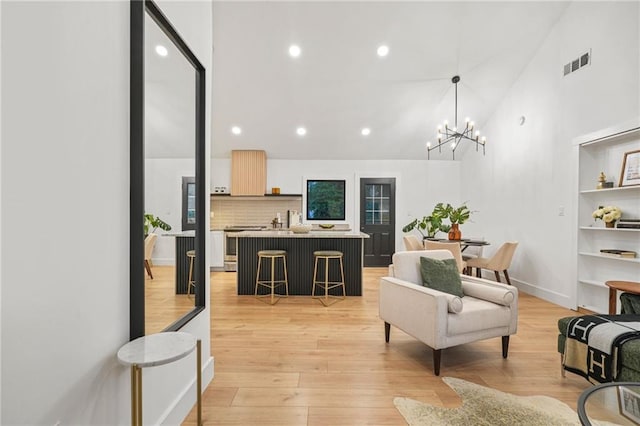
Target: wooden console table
614,286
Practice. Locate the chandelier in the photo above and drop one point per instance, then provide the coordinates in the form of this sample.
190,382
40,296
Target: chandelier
452,136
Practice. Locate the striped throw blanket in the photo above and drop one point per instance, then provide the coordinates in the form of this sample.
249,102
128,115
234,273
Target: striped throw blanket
593,343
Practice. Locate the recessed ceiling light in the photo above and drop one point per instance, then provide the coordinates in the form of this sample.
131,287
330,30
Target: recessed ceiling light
294,51
236,130
161,50
301,131
383,50
365,131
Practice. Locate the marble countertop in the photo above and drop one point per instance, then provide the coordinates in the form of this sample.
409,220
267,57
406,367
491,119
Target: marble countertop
290,234
157,349
180,234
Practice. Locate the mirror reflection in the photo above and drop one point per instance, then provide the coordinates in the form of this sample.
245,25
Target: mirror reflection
169,147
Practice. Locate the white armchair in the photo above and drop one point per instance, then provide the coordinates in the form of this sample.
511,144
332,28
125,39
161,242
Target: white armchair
441,320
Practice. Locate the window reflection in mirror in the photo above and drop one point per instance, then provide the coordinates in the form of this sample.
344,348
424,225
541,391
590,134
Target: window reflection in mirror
169,154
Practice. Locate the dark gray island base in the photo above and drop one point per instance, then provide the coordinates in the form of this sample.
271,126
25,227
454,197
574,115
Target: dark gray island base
300,261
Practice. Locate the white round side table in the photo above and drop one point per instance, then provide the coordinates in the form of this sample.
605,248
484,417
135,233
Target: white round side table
158,349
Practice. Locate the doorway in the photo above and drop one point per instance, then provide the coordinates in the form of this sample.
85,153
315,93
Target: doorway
378,219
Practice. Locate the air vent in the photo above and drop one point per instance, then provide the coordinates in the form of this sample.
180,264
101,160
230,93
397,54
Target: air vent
577,63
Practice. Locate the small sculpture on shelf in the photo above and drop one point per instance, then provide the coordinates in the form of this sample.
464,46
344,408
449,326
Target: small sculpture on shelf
602,182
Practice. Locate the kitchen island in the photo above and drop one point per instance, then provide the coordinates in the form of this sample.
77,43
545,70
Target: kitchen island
300,261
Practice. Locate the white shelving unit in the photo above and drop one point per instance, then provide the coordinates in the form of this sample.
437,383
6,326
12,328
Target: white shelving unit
604,152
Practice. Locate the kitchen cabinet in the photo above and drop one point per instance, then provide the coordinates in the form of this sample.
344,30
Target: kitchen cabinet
217,250
604,152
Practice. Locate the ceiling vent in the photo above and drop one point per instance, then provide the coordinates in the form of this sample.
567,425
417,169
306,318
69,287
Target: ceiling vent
578,63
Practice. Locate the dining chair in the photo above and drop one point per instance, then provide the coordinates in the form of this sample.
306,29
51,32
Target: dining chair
499,262
149,244
412,243
453,247
472,252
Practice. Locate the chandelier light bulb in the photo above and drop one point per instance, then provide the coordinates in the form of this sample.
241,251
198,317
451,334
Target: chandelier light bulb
477,132
467,119
453,145
484,139
455,129
428,145
446,123
439,136
471,124
439,128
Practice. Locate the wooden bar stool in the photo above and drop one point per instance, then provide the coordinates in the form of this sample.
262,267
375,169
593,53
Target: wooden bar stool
191,254
272,283
327,285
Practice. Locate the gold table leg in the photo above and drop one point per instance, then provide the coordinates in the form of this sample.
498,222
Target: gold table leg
199,380
136,395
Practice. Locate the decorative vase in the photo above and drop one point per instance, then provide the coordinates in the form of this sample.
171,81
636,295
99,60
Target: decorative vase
454,233
611,224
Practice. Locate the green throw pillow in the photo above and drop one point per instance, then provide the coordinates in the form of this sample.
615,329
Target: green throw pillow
441,275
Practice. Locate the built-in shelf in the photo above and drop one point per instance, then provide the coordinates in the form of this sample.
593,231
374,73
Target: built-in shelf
601,256
593,283
282,197
592,309
605,190
594,228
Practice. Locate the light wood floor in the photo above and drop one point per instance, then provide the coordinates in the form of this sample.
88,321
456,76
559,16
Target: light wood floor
299,363
162,305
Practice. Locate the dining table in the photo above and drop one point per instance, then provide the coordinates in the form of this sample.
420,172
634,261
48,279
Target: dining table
464,243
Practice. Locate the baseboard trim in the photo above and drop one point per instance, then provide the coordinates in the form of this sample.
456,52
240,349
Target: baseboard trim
178,411
543,293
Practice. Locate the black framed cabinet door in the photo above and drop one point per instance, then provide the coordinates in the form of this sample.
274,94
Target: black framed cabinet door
378,219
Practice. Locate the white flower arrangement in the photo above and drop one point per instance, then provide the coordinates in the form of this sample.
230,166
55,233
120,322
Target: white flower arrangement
607,214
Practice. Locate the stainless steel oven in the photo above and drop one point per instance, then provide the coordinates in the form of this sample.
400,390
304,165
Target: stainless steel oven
231,244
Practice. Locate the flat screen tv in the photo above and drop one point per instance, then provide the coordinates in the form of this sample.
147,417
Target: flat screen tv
325,199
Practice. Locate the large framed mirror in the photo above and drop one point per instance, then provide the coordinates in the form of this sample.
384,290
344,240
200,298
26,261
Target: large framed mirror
167,137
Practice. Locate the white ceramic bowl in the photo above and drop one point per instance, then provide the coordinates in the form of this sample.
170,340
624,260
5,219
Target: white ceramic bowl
300,228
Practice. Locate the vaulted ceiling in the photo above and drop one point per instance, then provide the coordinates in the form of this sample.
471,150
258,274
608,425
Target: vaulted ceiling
338,84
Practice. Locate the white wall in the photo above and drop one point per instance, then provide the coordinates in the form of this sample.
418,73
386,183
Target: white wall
528,175
65,174
420,184
163,198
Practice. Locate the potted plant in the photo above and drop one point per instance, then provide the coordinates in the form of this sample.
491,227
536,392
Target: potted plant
457,216
430,225
607,214
153,222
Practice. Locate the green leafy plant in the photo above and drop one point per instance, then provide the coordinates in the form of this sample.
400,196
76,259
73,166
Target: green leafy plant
153,222
458,214
430,225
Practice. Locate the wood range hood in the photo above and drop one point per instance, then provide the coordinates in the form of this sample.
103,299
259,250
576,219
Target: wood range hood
248,172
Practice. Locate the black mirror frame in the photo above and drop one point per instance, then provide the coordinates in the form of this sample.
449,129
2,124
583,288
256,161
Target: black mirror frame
136,191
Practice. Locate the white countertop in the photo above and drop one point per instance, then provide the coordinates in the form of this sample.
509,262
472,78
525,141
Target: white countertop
290,234
157,349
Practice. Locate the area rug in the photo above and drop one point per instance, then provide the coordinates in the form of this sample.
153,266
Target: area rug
485,406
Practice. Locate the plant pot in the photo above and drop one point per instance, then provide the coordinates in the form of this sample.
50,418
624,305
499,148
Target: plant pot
454,233
611,224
